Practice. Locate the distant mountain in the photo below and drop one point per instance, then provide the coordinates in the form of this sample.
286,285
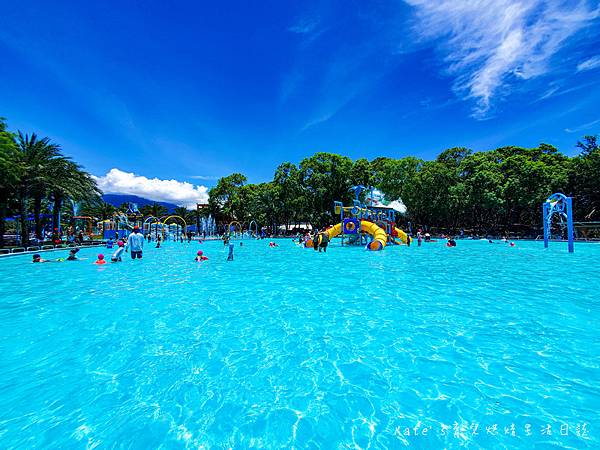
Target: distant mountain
118,199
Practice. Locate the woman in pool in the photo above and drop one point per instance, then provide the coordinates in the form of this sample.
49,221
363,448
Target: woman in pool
451,242
200,257
100,260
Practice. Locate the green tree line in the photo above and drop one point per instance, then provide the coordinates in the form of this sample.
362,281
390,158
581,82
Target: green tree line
487,191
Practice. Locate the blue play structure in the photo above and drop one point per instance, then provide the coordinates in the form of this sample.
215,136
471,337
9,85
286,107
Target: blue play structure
351,217
561,206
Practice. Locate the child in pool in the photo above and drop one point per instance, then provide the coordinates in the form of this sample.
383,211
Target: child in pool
100,259
200,257
230,256
117,254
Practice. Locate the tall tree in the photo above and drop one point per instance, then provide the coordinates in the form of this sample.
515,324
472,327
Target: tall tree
11,171
222,196
326,178
584,180
69,182
155,209
97,208
289,193
36,155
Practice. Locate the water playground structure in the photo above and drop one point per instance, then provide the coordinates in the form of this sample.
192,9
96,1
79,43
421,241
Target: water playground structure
172,226
206,226
372,225
122,223
558,206
238,230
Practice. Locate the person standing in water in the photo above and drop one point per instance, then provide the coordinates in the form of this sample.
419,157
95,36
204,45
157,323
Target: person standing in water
230,256
135,243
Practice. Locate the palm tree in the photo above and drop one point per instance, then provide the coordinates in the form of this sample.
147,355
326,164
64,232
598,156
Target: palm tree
37,156
98,208
186,214
70,182
155,209
11,171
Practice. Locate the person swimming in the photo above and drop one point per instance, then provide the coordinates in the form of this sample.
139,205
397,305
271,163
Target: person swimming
119,252
200,257
37,258
109,243
273,244
451,242
230,256
100,259
72,254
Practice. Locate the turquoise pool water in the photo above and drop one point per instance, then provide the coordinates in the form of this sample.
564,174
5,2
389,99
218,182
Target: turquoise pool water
424,347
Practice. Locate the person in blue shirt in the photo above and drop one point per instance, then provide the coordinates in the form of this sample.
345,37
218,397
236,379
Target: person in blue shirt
135,243
230,256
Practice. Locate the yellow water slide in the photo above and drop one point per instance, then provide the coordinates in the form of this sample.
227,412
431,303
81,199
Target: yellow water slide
401,235
379,234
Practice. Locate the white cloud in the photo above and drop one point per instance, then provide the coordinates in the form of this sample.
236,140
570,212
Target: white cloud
489,43
181,193
582,127
305,25
203,177
589,64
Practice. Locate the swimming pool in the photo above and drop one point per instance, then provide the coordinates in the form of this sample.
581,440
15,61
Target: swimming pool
428,347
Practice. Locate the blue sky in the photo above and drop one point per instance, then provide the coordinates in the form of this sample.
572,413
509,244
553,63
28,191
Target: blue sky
176,95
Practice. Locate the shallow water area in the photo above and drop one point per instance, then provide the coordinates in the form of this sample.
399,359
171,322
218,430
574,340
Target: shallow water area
479,346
